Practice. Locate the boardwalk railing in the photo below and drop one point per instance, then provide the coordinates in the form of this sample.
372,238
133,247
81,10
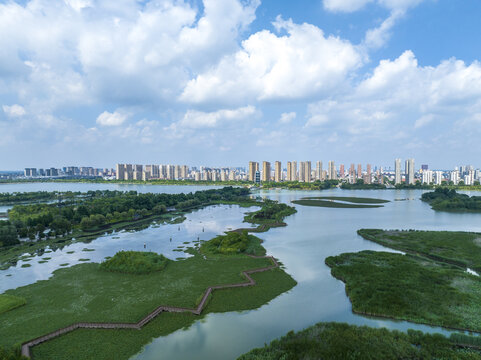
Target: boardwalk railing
197,311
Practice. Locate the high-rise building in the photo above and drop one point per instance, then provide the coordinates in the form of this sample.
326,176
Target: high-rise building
128,172
368,174
319,171
294,171
277,171
170,172
305,171
253,167
302,175
438,178
409,171
341,171
289,171
266,171
184,171
427,177
397,171
155,171
138,172
331,173
120,172
454,177
359,171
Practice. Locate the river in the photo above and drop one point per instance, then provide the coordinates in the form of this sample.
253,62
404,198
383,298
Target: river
311,235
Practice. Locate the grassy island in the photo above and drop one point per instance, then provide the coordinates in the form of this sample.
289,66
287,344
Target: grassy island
457,248
428,285
234,243
335,341
444,199
85,293
340,202
135,262
409,288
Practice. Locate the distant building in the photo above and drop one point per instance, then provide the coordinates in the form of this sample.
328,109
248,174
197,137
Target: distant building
341,171
427,177
120,171
253,167
368,174
128,172
454,177
266,171
397,171
331,172
409,169
359,171
257,177
319,171
277,171
138,172
289,171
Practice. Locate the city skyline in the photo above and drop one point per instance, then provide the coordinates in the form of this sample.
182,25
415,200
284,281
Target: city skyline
377,80
306,173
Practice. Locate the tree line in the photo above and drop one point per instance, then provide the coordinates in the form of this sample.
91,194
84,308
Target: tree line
94,209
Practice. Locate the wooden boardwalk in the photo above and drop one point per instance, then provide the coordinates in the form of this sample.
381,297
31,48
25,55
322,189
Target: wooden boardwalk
26,346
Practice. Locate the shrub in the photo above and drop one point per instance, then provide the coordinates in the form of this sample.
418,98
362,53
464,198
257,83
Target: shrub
135,262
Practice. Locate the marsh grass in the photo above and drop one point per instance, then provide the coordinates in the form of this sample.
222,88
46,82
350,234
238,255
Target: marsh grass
409,288
338,341
10,302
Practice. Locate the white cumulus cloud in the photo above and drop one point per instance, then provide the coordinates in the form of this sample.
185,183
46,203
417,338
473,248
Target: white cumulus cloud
301,63
14,110
111,119
286,118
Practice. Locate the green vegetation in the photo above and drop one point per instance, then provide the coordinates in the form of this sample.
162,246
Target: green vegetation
462,249
85,216
296,185
271,214
28,197
350,199
234,243
86,293
444,199
10,302
360,185
135,262
410,288
12,354
123,344
457,248
335,341
330,203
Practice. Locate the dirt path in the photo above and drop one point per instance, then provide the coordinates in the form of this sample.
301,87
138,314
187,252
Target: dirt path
26,346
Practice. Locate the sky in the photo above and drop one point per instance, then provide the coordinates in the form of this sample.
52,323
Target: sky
223,82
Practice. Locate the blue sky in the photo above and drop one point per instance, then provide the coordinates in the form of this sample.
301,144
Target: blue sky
222,82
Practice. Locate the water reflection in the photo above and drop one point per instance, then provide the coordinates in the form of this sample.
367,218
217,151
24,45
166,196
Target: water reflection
204,224
312,234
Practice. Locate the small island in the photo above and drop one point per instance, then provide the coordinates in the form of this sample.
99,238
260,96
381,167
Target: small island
434,283
341,202
444,199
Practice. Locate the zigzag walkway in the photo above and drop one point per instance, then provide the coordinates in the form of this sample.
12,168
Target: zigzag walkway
197,311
